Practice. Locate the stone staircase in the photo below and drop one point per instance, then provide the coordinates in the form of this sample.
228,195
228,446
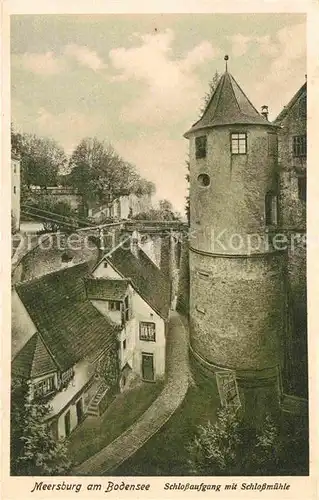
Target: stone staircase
93,408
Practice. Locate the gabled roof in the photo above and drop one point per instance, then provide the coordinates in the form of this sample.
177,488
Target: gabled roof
70,326
282,115
149,281
106,288
33,360
228,106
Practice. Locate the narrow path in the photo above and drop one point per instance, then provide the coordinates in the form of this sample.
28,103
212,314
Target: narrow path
123,447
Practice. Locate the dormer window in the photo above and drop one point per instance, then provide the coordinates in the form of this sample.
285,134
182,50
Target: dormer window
114,305
201,146
239,144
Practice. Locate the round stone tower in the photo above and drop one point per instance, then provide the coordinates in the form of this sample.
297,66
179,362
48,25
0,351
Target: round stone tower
237,264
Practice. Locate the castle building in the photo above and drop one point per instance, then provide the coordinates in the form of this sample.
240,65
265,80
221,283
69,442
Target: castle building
292,168
15,192
238,286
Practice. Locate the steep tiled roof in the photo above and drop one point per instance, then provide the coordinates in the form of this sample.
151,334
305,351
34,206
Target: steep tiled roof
147,279
106,288
33,360
70,326
282,115
228,106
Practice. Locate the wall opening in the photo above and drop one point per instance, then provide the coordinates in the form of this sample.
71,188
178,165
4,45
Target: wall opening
203,180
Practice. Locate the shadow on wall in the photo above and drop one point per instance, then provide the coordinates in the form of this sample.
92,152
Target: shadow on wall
182,305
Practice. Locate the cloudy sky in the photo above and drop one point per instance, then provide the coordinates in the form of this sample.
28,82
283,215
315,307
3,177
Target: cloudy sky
138,80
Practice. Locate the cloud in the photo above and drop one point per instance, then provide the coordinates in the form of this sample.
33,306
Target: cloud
286,69
68,127
240,44
168,83
84,56
161,160
45,64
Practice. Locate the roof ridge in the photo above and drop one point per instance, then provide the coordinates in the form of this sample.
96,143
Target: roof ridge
232,81
291,102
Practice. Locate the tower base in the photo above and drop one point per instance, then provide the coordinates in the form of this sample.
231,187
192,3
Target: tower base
258,392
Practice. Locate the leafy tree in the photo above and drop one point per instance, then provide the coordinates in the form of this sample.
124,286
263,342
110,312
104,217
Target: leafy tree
229,447
34,450
13,223
211,89
16,141
161,214
214,449
100,174
41,159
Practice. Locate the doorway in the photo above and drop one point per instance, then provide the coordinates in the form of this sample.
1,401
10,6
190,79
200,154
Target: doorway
148,367
79,410
67,423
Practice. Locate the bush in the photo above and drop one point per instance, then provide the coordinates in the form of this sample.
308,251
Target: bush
230,447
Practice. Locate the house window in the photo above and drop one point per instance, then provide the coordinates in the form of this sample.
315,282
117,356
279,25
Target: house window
43,387
124,344
147,331
114,305
105,263
270,209
302,188
239,144
299,146
272,144
201,146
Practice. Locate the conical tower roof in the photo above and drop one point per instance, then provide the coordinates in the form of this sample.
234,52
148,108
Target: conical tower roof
228,106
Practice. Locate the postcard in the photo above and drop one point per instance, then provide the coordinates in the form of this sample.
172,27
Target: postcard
159,275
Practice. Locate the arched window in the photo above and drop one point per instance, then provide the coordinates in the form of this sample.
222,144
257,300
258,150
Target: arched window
271,210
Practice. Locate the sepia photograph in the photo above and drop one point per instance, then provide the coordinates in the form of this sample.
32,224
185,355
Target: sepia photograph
158,248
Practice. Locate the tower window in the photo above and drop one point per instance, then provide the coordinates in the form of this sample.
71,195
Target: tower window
302,188
239,144
124,344
299,148
272,144
14,189
270,209
203,180
201,146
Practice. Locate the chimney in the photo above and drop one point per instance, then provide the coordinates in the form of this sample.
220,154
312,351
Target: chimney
264,111
134,243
